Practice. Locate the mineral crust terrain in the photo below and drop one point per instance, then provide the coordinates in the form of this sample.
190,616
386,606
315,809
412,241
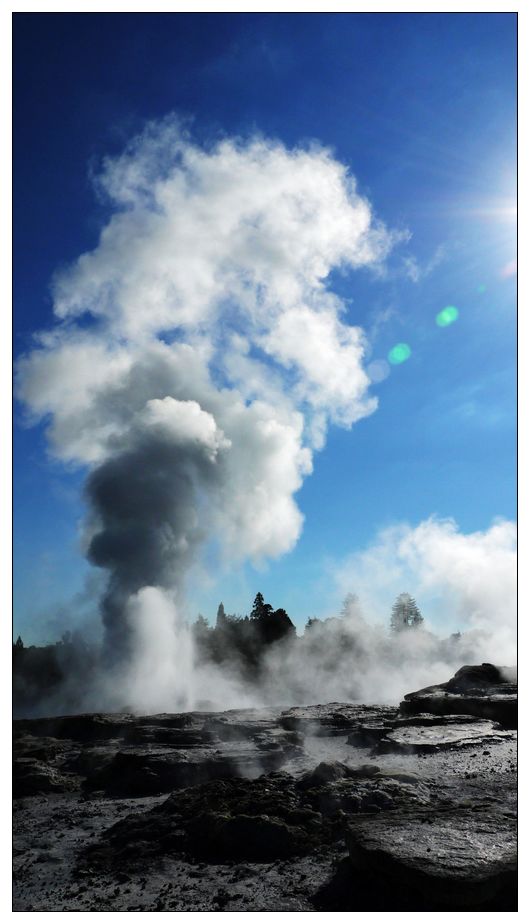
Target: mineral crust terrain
336,807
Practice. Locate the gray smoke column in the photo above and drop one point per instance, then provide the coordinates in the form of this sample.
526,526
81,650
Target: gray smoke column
145,505
198,356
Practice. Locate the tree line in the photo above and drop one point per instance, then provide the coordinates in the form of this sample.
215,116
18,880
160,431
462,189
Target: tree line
239,643
242,639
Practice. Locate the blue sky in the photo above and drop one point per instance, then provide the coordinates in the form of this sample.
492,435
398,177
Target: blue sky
421,108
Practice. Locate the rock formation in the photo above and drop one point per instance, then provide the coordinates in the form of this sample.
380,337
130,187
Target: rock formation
333,807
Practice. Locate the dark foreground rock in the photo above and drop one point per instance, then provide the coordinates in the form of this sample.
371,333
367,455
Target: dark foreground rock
460,857
274,816
342,807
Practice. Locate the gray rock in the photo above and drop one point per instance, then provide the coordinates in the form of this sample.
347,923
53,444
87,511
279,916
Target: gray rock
458,858
133,772
413,739
477,690
333,719
369,734
32,777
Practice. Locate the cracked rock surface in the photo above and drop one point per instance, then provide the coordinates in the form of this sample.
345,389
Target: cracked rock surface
329,807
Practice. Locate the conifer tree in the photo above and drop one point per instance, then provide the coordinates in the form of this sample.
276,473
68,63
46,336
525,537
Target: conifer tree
258,607
405,614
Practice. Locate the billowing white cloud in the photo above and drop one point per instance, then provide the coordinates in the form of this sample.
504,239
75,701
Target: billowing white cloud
198,354
462,581
329,357
252,223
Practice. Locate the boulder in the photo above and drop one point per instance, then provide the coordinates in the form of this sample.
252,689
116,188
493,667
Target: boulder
460,858
477,690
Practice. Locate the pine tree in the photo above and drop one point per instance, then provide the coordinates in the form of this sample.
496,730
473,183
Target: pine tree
258,607
405,614
221,616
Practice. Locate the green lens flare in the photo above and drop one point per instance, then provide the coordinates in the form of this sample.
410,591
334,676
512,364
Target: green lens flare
481,289
447,316
399,353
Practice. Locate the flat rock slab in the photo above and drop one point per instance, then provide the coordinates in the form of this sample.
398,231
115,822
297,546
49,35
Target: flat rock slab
459,857
333,719
497,707
82,728
133,772
412,739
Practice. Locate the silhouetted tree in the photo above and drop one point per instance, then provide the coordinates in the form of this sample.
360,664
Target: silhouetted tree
258,606
61,671
405,614
274,625
242,641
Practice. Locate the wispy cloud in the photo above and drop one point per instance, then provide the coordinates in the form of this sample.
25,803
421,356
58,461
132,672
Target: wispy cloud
416,270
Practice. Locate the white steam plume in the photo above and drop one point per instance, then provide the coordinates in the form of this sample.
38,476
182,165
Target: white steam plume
198,356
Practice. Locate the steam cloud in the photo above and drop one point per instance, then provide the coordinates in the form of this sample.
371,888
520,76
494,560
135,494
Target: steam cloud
215,356
196,362
467,581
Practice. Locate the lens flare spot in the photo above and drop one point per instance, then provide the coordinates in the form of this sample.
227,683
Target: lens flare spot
378,371
447,316
481,289
399,353
510,269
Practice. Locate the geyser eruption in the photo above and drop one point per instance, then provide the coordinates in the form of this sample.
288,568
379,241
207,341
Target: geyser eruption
198,357
158,672
145,501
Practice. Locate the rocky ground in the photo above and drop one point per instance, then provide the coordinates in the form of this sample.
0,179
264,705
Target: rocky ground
335,807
